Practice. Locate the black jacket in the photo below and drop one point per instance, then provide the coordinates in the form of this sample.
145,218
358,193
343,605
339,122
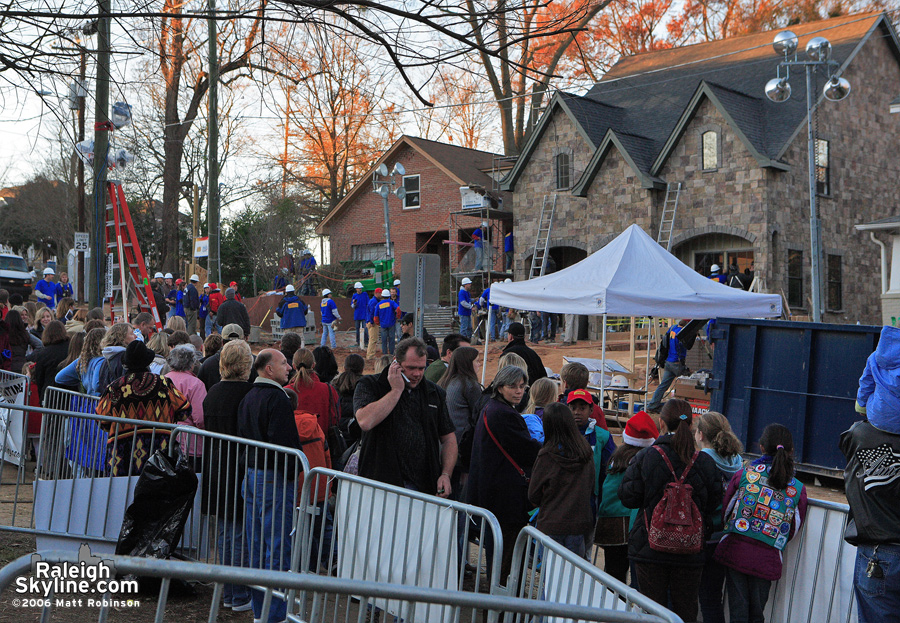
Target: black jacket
493,482
160,299
265,414
46,361
232,311
222,461
872,486
643,485
532,359
191,297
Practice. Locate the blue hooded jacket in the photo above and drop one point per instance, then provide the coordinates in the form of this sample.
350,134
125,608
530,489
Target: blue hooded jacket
292,311
879,386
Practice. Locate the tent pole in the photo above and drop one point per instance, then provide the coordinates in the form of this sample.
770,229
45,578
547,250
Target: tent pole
647,367
603,366
632,350
487,339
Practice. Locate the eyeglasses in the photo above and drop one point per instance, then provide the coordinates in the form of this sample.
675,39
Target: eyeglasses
517,388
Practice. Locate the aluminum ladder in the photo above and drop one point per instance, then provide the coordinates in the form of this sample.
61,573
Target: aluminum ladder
670,207
125,260
542,241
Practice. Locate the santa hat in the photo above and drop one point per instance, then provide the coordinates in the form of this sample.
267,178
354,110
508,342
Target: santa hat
640,430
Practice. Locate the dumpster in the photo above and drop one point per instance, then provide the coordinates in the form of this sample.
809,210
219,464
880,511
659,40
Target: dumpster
801,374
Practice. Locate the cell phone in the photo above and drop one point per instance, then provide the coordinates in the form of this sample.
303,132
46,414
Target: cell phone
405,378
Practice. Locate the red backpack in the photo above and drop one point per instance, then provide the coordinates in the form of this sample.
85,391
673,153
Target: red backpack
677,525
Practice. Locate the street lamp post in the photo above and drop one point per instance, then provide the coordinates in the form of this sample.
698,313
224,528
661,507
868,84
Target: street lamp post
382,181
779,90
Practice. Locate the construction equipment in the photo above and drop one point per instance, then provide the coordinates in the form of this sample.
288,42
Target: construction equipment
542,241
123,256
667,223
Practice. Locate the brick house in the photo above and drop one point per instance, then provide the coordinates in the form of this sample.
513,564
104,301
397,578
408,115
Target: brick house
420,223
698,116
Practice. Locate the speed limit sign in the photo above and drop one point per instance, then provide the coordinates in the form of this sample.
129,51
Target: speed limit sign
82,241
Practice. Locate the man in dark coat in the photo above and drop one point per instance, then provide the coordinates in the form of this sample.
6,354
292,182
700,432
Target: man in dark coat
233,311
408,437
266,414
516,337
192,304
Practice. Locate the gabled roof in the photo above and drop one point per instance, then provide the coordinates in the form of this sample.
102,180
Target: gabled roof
462,165
636,150
653,96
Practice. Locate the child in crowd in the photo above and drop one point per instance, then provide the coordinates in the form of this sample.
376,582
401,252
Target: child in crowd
562,481
878,397
382,362
599,439
614,520
713,435
576,376
543,392
765,506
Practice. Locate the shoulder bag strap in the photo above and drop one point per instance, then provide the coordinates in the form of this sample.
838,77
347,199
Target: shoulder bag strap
668,462
687,469
504,452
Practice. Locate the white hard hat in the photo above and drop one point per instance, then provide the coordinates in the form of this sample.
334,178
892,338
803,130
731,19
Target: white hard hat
385,292
168,276
715,268
507,280
396,282
158,276
49,271
205,285
289,288
195,278
326,292
618,381
358,284
466,281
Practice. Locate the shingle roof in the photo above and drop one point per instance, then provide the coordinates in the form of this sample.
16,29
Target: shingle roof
654,89
466,164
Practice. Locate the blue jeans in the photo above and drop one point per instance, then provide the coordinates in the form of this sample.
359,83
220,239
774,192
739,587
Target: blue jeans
548,322
536,327
465,326
878,599
361,326
387,339
479,258
328,329
270,511
495,323
232,546
672,371
572,542
712,582
747,597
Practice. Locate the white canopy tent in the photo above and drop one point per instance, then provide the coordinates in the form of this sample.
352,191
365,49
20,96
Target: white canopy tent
632,276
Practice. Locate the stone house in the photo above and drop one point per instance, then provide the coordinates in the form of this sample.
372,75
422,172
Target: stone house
698,116
421,222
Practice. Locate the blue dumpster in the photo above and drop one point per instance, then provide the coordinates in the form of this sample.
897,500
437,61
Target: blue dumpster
800,374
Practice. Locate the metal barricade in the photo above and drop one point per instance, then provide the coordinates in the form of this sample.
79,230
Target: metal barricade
545,571
13,425
816,584
387,534
275,583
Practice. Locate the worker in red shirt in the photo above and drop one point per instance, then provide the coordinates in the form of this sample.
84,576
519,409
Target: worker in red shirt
237,295
215,299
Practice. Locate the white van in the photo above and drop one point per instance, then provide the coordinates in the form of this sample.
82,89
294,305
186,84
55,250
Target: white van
15,276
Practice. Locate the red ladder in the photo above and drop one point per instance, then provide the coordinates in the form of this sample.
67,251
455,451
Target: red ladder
123,256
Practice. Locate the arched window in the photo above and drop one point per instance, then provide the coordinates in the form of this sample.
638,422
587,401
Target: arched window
710,150
563,171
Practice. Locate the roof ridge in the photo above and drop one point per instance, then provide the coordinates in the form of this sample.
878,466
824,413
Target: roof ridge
722,87
428,140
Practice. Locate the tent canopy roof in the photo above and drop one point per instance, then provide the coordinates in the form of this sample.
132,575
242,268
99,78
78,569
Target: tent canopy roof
634,276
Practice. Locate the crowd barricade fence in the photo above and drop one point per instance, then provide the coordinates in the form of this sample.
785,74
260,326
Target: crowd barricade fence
14,440
387,534
318,587
543,570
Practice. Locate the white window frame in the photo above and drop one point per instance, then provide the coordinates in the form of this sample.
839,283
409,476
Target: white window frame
417,193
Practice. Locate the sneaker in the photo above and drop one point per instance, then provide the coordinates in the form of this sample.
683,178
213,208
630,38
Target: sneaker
247,605
227,604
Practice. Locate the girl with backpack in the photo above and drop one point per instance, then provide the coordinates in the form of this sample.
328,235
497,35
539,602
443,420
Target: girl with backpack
765,506
714,436
667,548
562,481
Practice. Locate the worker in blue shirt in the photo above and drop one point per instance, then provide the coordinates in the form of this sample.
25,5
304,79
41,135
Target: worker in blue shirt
386,311
293,310
330,316
508,248
478,243
280,282
716,274
307,267
178,295
64,288
372,323
464,307
674,365
203,311
360,305
45,289
484,301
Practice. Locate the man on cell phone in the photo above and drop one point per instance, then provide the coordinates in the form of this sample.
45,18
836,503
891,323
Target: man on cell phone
408,437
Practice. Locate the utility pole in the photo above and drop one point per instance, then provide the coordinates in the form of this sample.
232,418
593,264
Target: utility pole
82,217
101,144
287,134
196,225
213,190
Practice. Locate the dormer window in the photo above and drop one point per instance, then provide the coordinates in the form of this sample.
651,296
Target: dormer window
709,146
563,171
